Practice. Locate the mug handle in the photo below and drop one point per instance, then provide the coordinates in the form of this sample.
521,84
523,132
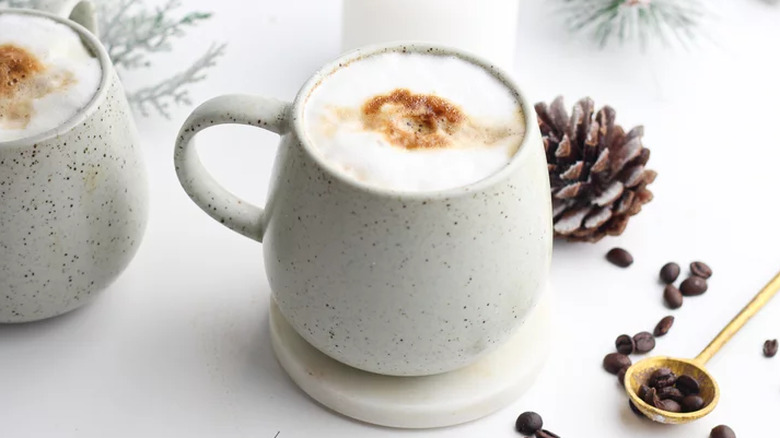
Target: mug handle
225,207
80,11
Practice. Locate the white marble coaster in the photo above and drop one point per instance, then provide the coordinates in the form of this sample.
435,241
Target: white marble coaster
417,402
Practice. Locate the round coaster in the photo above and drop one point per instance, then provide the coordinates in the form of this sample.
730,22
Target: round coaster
417,402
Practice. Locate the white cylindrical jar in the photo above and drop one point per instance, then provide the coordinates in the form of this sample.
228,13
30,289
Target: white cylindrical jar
487,28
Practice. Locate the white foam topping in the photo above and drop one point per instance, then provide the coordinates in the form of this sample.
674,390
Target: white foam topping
61,76
414,122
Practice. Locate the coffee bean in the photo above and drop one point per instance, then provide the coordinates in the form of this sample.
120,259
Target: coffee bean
651,397
770,348
661,378
688,385
528,423
700,269
635,410
673,297
668,405
671,393
693,286
546,434
663,326
692,403
722,431
621,376
620,257
670,272
643,390
613,362
644,342
624,344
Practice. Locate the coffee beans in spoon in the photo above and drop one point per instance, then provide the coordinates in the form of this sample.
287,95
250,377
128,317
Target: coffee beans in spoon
669,392
687,384
692,403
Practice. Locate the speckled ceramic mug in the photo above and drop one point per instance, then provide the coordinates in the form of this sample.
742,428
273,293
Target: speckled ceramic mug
73,200
388,282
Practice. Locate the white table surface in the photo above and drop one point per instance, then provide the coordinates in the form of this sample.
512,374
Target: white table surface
179,345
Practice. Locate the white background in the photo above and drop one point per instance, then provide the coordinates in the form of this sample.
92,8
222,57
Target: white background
179,345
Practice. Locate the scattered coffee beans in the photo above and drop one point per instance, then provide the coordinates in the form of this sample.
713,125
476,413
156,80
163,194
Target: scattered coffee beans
722,431
635,410
670,393
663,326
613,362
621,376
670,272
644,342
770,348
620,257
673,297
624,344
693,286
546,434
528,423
700,269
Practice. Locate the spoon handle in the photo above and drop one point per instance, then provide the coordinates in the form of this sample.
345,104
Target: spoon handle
733,327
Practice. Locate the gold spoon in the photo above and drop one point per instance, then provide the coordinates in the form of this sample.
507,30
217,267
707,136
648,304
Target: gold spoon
640,372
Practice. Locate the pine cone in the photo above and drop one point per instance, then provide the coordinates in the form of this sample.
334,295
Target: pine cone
597,171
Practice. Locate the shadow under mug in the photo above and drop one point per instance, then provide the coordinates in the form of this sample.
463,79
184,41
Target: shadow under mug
389,282
73,200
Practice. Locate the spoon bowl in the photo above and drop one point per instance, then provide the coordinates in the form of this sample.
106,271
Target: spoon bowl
639,373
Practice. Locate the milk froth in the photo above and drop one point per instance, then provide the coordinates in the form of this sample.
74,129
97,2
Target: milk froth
414,122
46,75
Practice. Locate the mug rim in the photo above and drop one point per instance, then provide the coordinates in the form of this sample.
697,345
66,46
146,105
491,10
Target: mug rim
93,45
299,104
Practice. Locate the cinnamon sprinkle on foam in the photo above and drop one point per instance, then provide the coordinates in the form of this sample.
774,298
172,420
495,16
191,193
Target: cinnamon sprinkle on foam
413,121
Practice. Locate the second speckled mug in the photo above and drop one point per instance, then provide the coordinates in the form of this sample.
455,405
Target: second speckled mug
74,199
388,282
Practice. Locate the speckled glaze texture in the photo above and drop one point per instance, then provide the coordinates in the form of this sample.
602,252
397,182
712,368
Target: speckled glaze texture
387,282
73,206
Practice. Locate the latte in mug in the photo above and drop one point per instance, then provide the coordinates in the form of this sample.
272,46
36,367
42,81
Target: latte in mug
367,262
46,75
414,122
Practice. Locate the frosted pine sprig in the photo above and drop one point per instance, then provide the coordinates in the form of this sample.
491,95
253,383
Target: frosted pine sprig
174,89
131,32
608,21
